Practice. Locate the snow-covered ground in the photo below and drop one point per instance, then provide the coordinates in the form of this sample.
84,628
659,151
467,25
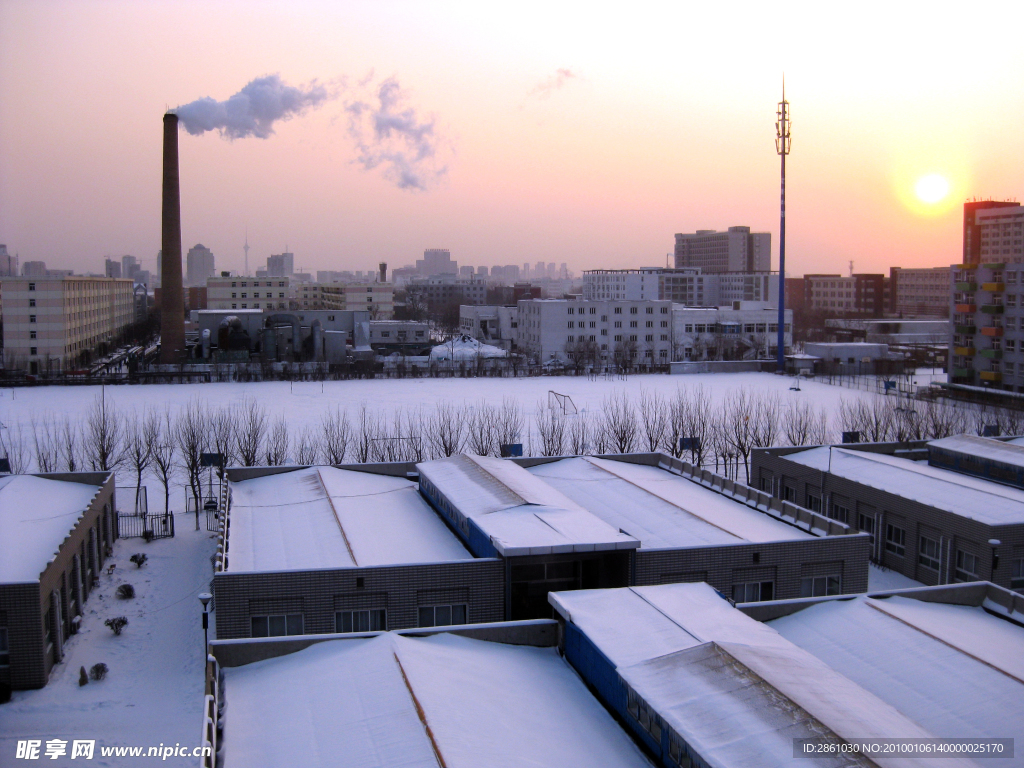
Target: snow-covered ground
153,692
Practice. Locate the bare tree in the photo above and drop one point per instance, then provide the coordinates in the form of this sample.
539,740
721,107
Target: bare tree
619,423
250,431
689,419
222,435
276,444
415,449
46,442
104,433
766,408
306,448
70,445
15,449
551,429
190,438
141,432
447,429
580,434
799,423
336,435
509,423
367,432
164,454
482,430
739,424
654,417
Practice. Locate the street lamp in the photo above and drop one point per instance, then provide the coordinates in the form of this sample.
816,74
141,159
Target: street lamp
205,598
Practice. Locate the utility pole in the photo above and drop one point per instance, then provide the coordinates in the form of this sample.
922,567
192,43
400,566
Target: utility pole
782,144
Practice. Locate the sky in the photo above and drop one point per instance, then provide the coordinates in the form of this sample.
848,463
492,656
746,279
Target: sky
509,133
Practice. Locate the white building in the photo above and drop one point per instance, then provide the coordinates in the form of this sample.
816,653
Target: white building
745,330
250,293
737,250
605,332
683,286
55,323
376,298
494,325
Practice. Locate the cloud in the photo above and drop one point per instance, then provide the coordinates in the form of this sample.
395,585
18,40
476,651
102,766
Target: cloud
552,83
253,110
390,134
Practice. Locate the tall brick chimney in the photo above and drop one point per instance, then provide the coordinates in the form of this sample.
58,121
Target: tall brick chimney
172,300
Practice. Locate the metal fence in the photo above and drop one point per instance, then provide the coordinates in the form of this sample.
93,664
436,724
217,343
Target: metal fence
134,519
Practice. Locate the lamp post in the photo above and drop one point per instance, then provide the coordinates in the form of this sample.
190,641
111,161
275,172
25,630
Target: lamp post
205,598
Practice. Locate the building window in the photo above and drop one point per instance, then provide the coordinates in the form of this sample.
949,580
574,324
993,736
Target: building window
5,649
866,523
840,513
753,591
442,615
31,334
820,586
33,350
632,310
895,539
788,493
31,302
928,553
640,711
1017,573
31,286
276,626
31,318
966,566
814,503
618,310
361,621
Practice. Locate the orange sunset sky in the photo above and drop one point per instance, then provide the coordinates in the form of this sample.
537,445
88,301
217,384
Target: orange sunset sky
578,133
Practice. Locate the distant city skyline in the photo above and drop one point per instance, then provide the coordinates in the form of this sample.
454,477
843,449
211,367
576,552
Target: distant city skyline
541,144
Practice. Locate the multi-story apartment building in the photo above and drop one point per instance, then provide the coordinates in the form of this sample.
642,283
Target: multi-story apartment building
250,293
737,250
854,295
55,323
8,263
974,249
987,302
440,291
377,298
743,330
436,261
923,291
684,286
199,265
624,332
280,265
112,268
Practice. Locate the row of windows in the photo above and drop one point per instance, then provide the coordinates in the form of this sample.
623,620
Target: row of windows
930,554
369,620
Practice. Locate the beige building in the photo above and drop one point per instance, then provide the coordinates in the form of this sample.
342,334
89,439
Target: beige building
920,291
376,298
272,294
54,323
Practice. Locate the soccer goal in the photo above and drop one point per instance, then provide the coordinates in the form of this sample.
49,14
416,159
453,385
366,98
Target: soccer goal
563,403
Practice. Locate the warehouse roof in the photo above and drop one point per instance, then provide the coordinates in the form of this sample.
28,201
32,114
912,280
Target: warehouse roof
519,513
955,669
660,508
418,702
972,497
983,448
36,515
324,517
735,690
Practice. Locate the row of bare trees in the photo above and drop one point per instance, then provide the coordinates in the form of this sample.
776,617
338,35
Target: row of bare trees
689,424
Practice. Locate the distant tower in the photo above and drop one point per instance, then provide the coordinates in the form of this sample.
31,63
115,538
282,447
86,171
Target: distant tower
782,143
246,249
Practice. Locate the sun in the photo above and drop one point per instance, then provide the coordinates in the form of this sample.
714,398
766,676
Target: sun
932,189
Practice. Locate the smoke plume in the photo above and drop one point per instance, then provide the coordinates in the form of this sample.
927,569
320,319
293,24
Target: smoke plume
390,134
253,110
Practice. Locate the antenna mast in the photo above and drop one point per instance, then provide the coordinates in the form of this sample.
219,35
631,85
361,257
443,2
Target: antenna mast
782,144
246,249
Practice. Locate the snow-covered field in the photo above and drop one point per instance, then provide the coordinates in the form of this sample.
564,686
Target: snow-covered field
153,692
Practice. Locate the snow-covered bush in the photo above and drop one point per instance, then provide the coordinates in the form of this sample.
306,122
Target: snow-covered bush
117,623
126,591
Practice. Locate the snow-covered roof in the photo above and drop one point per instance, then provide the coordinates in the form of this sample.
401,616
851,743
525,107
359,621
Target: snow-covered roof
465,348
954,669
983,447
661,509
971,497
36,515
324,517
370,702
735,689
519,513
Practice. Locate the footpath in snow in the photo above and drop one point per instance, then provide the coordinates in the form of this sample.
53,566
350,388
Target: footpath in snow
153,692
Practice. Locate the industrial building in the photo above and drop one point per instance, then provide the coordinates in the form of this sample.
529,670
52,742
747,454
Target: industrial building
53,324
55,533
939,512
699,682
485,539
